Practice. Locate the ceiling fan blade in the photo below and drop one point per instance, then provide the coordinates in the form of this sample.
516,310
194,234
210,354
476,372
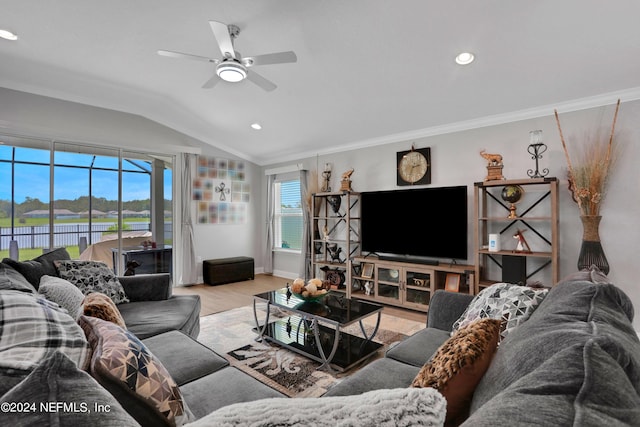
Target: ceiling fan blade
221,33
260,81
211,82
172,54
270,58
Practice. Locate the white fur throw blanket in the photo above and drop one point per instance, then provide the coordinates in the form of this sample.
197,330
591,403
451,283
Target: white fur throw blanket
392,408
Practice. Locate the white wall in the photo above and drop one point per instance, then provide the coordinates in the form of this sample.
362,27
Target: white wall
456,161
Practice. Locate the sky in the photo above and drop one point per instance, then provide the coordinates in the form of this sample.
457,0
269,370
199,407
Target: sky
70,182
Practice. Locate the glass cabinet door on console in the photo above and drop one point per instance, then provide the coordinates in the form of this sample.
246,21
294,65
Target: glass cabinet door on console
417,286
388,284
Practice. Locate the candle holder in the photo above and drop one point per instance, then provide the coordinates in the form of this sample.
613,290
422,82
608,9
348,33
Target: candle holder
536,148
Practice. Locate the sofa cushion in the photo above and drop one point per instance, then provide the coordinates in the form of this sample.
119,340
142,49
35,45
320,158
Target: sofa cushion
34,269
381,373
125,367
224,387
185,358
459,364
149,318
11,279
571,315
417,349
395,407
99,305
63,293
32,328
580,385
92,276
57,381
513,304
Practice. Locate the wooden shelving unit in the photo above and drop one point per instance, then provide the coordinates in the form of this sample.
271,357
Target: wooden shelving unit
335,231
536,213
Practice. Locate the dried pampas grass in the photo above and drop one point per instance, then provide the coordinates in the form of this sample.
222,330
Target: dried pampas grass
589,172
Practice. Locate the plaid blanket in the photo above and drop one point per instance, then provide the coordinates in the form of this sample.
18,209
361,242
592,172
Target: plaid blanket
32,328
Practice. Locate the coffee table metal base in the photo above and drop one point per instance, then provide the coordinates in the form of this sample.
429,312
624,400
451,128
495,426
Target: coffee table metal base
306,334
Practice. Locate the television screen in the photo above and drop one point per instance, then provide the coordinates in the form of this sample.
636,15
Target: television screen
422,223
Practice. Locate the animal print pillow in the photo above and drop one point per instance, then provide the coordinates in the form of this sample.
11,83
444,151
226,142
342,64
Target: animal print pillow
459,364
99,305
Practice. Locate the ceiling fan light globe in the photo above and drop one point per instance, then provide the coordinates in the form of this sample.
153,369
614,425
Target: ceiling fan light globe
231,72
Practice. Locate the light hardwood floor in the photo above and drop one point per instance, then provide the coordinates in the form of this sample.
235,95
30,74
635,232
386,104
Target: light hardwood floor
219,298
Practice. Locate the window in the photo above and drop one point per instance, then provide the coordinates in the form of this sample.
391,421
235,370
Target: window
288,215
86,200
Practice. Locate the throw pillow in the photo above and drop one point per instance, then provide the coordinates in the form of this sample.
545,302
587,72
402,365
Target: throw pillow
93,276
63,293
513,304
99,305
69,395
386,407
123,365
459,364
32,328
592,274
34,269
11,279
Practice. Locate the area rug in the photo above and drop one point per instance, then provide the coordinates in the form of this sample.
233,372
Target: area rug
231,334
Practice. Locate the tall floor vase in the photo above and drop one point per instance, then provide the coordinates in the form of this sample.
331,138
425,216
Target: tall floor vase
591,252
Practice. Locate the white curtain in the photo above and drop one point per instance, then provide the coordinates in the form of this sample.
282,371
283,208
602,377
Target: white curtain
189,265
305,247
268,246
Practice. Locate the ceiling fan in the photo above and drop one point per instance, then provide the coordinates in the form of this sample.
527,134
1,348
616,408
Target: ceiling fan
232,67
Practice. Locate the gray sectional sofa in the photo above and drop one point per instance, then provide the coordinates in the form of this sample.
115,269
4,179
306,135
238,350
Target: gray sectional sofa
574,362
166,324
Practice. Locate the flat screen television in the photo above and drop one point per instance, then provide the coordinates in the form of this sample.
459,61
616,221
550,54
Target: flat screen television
417,224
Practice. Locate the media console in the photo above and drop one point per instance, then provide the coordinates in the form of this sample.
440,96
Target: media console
406,284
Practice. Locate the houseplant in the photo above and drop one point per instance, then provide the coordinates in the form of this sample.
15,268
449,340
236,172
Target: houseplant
588,175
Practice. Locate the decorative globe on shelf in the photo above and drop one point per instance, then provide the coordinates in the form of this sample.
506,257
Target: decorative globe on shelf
512,194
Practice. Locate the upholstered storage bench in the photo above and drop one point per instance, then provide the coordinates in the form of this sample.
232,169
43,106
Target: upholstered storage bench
227,270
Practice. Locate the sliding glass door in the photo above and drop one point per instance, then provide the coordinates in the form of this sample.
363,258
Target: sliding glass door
106,202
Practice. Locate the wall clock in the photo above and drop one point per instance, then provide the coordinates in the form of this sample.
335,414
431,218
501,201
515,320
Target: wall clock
414,166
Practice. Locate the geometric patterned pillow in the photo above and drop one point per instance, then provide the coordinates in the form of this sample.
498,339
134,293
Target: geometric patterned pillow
92,276
123,364
459,364
33,328
511,303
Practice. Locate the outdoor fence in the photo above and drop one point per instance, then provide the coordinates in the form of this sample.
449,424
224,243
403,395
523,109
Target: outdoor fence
37,236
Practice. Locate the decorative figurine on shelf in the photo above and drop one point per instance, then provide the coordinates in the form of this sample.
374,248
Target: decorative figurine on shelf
326,176
334,202
368,288
522,245
346,180
334,252
494,166
325,233
536,148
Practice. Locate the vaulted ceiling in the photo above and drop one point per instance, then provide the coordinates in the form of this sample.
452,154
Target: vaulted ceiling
367,71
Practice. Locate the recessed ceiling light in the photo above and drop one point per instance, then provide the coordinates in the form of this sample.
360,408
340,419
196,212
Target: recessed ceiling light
8,35
465,58
256,126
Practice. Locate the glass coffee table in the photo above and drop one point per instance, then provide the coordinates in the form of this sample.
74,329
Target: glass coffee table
314,329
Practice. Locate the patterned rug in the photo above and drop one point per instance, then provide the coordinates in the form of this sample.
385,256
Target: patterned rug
231,334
